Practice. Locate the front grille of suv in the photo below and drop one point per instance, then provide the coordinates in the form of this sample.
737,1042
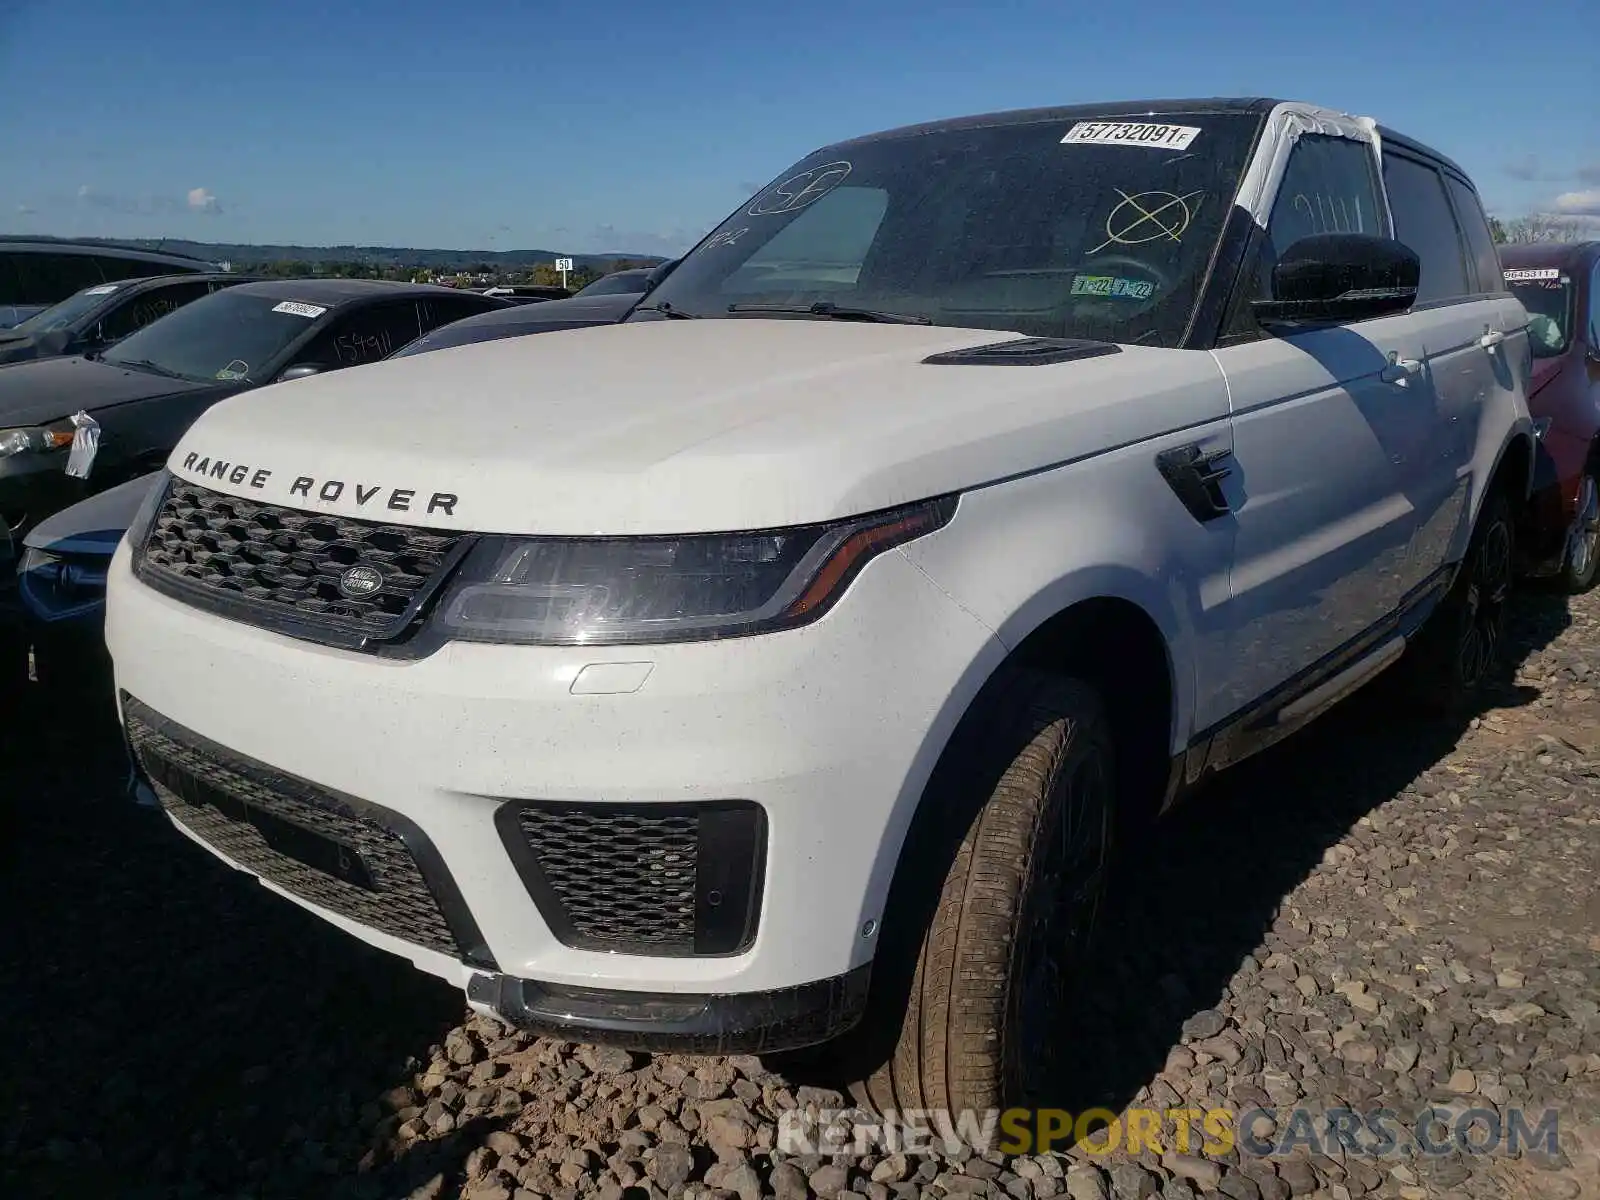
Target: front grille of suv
659,879
344,855
282,568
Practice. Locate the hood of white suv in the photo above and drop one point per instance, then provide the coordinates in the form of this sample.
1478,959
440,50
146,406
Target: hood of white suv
681,426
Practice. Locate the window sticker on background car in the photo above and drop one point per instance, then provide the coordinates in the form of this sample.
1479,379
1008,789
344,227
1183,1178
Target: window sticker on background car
1131,133
237,369
1531,275
797,191
1149,217
298,309
1112,285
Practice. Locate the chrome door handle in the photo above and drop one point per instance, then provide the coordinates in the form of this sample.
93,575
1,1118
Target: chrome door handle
1401,370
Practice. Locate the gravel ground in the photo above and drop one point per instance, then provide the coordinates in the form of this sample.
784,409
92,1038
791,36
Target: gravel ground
1383,912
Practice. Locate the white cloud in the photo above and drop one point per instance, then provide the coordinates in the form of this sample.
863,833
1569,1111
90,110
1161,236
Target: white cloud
25,210
203,201
1580,204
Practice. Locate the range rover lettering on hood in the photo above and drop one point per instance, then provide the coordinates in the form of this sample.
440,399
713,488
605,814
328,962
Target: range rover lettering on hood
331,490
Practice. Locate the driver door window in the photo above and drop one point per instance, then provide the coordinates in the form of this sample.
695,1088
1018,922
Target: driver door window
366,335
1329,186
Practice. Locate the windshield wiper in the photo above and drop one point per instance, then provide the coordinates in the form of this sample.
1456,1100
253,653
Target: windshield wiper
144,364
826,308
666,310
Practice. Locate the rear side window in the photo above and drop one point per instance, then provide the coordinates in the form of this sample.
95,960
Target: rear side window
133,268
1424,221
365,335
436,311
49,278
1480,242
150,306
10,280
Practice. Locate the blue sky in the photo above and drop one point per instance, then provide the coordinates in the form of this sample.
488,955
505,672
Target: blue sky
629,125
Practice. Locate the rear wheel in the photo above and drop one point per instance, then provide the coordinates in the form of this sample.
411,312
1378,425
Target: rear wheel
1014,911
1463,645
1583,548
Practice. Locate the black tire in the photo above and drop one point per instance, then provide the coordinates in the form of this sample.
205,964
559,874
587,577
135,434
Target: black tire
1462,647
1581,564
1013,913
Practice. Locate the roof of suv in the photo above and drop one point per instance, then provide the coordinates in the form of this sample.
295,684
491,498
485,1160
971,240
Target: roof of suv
42,244
1260,105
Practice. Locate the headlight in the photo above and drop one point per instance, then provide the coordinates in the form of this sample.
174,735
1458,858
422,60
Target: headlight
139,527
21,441
613,591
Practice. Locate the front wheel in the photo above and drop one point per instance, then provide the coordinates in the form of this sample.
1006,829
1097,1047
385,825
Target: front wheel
1582,561
1015,909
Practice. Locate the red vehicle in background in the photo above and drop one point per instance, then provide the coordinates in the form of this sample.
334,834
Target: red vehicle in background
1560,287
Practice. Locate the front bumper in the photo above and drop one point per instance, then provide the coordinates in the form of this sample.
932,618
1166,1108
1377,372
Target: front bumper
831,730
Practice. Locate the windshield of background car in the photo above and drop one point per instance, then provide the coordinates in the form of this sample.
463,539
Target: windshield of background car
1548,295
227,335
1060,228
65,314
616,285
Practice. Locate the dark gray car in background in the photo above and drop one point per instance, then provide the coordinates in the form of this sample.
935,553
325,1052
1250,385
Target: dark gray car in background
65,557
36,272
89,321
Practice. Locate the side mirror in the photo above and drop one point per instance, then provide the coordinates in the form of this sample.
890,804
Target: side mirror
1331,278
659,272
300,371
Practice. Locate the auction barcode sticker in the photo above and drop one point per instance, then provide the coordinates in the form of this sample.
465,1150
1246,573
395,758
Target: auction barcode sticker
1525,275
298,309
1131,133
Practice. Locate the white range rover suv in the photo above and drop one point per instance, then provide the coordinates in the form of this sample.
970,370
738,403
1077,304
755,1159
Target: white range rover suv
779,667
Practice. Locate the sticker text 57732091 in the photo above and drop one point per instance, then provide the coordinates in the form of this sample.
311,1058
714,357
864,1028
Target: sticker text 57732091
1131,133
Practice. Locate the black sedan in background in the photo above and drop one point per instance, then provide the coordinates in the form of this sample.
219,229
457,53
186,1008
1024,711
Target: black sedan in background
139,396
634,281
606,307
90,320
116,416
65,557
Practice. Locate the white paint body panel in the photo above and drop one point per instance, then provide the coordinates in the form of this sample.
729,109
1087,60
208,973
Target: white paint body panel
1346,492
680,426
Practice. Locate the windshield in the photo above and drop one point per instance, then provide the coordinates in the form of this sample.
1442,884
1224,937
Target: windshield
1107,235
67,313
1548,296
623,283
227,335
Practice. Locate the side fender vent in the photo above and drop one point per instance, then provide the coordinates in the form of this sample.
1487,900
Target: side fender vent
1023,352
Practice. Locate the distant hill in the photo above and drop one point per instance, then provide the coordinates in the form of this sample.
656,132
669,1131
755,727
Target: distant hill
387,256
